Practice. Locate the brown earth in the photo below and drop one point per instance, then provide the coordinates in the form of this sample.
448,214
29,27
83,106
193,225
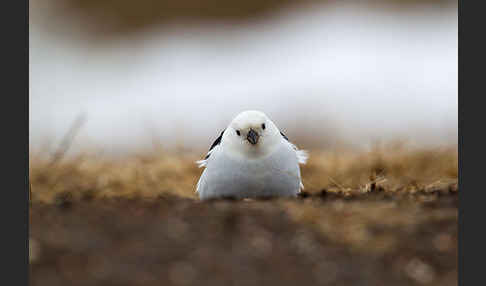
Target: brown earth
384,217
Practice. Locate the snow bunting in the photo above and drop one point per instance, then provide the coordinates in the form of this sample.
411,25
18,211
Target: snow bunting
251,158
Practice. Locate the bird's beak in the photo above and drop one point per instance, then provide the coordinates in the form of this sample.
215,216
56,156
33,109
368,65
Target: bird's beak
252,137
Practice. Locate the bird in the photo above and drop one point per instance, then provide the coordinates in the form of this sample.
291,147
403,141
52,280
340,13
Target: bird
251,159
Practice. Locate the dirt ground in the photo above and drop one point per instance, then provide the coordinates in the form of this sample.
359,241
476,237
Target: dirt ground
397,228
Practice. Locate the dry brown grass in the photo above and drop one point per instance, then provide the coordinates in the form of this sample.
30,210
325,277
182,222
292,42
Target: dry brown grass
387,216
392,167
395,167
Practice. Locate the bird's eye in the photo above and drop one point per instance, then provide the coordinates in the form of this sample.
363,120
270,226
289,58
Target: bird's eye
238,132
263,126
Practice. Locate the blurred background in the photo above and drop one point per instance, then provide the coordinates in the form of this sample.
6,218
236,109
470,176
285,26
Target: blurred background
355,82
174,73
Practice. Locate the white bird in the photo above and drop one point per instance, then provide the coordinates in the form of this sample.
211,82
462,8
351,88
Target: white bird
251,158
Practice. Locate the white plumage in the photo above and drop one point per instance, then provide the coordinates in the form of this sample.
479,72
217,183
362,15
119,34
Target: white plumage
251,158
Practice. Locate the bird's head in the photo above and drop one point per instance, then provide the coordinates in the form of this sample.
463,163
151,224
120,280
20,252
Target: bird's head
251,133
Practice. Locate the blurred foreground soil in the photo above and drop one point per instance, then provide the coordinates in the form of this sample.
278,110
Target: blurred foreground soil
384,217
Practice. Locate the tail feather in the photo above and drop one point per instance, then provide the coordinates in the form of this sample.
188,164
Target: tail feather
202,163
302,156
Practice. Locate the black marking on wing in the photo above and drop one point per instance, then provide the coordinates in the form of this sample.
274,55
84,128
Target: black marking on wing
215,143
283,135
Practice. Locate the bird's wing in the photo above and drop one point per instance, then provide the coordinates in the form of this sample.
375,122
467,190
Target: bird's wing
203,162
302,155
199,182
